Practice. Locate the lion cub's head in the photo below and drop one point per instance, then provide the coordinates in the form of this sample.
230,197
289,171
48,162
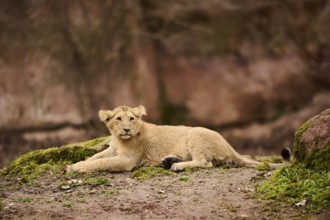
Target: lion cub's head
123,121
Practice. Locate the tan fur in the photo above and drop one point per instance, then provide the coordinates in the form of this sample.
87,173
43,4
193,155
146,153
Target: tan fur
146,144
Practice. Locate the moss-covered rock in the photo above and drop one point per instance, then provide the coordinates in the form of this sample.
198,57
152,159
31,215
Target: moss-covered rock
312,142
144,173
309,177
292,184
34,163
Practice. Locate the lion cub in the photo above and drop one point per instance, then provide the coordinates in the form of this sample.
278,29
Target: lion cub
138,143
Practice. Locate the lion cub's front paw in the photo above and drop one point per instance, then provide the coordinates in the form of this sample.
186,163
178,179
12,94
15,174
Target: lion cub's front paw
74,168
177,168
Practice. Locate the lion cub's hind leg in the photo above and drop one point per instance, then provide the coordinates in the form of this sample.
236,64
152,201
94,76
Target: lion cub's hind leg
169,160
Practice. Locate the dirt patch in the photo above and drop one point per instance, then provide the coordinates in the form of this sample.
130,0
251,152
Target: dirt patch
204,194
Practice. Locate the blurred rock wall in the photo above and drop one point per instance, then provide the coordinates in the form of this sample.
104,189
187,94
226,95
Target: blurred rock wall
252,70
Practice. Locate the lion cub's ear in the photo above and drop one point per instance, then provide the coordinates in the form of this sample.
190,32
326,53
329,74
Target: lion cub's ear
105,115
139,111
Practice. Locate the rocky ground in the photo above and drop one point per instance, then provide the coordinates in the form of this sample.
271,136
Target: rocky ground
203,194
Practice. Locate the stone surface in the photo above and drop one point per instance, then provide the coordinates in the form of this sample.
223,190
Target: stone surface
312,142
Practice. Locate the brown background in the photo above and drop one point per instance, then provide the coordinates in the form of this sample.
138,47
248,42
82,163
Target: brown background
252,70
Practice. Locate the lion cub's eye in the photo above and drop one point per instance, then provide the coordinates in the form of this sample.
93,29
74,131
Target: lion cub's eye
118,118
131,118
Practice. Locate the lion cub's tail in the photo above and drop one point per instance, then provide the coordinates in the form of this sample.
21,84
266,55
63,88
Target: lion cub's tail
285,153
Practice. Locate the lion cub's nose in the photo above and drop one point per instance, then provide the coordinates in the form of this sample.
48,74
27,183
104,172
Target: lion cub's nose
127,130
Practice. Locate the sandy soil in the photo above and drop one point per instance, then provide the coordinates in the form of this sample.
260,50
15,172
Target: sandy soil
205,194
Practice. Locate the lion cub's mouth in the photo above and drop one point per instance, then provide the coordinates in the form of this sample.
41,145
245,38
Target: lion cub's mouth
125,136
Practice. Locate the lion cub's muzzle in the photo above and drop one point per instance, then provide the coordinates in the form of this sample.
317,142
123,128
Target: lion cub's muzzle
126,134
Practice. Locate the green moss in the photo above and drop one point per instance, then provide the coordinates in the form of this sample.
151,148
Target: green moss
90,181
195,169
109,192
184,178
295,183
91,143
263,167
68,204
320,159
299,146
98,181
232,208
222,170
25,200
33,164
145,173
302,129
274,159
